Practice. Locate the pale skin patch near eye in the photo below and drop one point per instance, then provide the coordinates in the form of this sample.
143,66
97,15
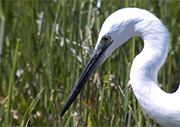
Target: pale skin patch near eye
106,41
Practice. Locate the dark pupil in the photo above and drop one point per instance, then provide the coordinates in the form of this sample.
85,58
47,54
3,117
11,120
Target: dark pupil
106,38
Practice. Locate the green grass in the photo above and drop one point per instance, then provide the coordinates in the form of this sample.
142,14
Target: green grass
51,61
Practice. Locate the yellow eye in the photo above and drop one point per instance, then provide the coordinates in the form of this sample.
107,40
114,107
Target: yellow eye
106,38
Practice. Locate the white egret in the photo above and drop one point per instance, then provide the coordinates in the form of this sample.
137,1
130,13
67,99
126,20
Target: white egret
118,28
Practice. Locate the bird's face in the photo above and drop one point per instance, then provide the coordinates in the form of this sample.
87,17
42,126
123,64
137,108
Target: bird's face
112,35
108,41
97,58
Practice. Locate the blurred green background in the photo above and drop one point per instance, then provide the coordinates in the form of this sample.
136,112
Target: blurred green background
44,46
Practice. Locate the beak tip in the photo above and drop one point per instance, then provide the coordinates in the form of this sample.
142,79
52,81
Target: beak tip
61,115
63,111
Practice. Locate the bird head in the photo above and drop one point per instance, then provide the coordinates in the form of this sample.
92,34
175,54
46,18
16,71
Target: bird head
114,32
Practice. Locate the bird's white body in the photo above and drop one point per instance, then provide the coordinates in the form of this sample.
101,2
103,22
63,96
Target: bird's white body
118,28
123,24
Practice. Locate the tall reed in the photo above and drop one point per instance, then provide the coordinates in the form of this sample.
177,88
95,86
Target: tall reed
56,41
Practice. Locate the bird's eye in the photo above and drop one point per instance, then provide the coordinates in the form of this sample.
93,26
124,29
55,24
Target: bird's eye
106,38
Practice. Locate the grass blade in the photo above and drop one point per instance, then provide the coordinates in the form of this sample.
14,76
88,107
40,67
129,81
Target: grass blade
31,108
8,115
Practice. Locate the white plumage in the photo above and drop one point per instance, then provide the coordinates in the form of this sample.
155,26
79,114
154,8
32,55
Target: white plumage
122,25
118,28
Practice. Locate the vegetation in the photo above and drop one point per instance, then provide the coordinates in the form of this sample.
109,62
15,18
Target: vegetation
44,46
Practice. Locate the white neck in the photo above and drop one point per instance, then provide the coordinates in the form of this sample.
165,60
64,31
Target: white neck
122,25
161,106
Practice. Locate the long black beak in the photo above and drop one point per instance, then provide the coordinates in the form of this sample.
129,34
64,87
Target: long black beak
94,62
